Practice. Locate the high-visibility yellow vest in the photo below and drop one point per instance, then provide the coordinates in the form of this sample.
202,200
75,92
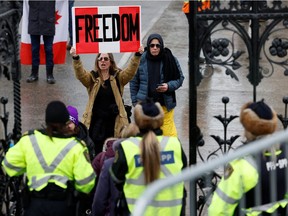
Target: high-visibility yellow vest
205,5
268,208
46,160
243,176
168,201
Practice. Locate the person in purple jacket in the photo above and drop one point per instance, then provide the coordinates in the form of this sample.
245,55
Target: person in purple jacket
106,194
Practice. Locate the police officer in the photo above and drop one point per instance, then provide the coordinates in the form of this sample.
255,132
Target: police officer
236,190
138,162
55,164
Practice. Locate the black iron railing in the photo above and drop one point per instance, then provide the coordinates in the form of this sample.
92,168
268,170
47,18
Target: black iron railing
10,188
235,33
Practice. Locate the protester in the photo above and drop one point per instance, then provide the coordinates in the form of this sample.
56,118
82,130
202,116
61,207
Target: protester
107,153
42,23
138,163
158,77
244,175
105,114
106,195
56,165
80,130
109,145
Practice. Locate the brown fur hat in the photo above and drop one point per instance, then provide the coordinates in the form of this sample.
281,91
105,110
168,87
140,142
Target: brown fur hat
130,130
149,115
258,119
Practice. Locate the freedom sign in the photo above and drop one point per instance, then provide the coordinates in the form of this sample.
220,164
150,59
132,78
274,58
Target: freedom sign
106,29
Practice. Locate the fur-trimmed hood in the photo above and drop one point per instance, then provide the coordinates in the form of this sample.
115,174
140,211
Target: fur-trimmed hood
144,121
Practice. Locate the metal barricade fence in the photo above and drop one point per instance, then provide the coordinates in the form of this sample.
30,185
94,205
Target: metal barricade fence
192,173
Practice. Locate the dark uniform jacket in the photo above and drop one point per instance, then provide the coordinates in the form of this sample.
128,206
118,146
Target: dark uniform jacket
41,18
270,166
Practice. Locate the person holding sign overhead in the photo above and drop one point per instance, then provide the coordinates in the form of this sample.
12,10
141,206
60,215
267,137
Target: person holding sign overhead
105,114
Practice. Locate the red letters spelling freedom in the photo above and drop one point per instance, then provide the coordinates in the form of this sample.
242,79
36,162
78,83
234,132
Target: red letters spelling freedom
106,29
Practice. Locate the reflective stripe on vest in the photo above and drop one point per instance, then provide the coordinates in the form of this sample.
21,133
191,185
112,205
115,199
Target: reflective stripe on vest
243,177
224,196
268,208
157,203
12,167
38,182
169,199
140,180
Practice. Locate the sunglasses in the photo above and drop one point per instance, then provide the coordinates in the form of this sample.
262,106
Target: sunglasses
103,58
153,45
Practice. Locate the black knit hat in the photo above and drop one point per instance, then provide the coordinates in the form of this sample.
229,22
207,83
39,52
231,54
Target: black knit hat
261,109
258,119
56,112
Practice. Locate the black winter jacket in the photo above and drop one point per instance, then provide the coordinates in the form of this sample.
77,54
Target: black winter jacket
41,18
84,135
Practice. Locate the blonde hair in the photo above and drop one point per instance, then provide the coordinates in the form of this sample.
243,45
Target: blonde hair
150,156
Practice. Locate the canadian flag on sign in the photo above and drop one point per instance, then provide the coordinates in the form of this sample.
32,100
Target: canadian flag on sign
60,38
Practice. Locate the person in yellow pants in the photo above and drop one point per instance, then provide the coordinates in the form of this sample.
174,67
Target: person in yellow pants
158,77
169,126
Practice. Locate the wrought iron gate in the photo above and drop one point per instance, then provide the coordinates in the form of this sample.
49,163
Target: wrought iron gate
10,15
255,33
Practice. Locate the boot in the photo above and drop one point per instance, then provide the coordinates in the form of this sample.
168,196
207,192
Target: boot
50,77
34,75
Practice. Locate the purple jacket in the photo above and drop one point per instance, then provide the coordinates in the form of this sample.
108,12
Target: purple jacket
106,193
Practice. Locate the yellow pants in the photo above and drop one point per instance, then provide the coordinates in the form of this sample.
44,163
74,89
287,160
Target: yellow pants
168,127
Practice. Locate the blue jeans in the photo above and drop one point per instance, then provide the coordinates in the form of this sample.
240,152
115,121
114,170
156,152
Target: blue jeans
71,4
48,47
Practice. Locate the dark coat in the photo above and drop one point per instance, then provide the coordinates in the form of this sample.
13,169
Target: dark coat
41,19
84,135
106,194
139,84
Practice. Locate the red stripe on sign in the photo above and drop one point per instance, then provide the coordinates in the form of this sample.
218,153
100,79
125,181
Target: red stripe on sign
83,21
59,50
129,29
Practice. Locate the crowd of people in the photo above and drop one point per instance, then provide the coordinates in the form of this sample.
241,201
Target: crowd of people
101,164
76,166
